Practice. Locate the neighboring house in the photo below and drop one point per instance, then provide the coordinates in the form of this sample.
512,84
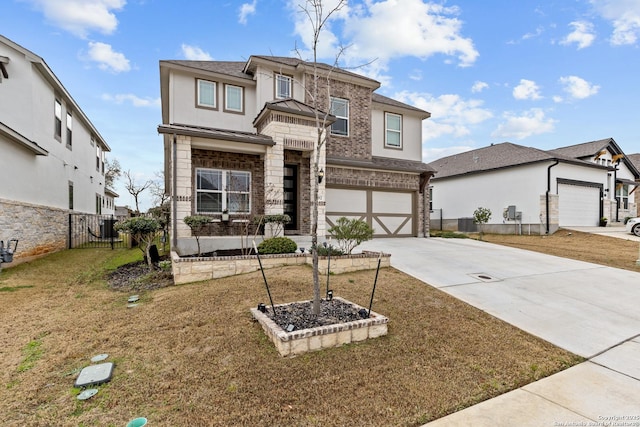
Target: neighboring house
530,190
240,138
107,204
52,157
635,160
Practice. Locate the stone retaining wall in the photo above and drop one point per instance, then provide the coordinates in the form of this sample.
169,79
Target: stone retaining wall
39,229
194,269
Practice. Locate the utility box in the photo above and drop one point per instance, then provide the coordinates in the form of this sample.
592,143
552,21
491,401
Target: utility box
510,213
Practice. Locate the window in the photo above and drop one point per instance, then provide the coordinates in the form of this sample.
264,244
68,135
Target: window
233,98
71,195
207,94
340,109
98,204
98,158
58,117
220,190
69,130
283,86
622,194
93,141
393,130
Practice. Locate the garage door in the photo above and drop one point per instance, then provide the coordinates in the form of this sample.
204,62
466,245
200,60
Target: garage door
390,214
578,205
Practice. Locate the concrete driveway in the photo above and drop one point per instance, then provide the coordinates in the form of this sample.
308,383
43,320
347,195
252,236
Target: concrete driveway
588,309
616,230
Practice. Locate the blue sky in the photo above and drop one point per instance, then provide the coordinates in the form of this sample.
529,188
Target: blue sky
543,74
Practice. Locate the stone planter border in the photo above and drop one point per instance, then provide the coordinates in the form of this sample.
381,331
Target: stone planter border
313,339
194,269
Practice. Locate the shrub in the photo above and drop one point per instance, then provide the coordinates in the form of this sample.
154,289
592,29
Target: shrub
350,233
324,251
277,245
143,230
197,224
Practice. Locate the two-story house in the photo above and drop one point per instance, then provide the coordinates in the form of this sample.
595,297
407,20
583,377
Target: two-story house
241,140
51,155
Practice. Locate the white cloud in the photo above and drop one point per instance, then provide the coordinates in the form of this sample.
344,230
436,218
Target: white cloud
479,86
578,88
537,33
527,89
531,122
107,58
383,31
194,53
133,99
79,17
450,114
624,16
245,10
582,34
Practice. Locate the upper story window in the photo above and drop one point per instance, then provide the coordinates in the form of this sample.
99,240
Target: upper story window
233,98
283,86
69,130
98,157
206,94
223,190
340,109
393,130
57,132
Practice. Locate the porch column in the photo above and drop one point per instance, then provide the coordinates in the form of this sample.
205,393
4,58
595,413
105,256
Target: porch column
274,179
184,186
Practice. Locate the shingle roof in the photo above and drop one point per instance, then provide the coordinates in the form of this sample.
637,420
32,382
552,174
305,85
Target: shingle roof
375,97
229,68
383,163
496,156
635,159
224,134
586,149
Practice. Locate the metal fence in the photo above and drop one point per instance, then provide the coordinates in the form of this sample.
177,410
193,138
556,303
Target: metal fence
95,231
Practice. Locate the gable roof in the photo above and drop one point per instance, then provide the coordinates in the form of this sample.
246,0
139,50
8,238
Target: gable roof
497,156
590,150
41,66
381,99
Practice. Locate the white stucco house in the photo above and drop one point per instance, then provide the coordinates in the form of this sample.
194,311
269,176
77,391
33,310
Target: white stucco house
240,141
534,191
51,155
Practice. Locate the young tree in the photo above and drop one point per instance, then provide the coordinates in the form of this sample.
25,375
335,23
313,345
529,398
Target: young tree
481,216
143,230
197,223
318,17
134,188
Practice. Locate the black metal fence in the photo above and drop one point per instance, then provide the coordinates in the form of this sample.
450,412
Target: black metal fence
95,231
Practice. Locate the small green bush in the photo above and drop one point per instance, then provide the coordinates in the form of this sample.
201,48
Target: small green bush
350,233
277,245
322,251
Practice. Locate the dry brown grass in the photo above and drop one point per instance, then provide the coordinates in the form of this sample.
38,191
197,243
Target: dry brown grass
191,354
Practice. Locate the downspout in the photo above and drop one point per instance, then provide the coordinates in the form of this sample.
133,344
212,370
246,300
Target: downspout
615,189
174,201
547,194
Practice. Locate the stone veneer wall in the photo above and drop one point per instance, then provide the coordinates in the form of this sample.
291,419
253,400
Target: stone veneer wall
193,269
39,229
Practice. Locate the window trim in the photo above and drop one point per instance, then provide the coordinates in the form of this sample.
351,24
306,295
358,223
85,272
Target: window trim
346,118
224,191
215,95
226,99
69,128
398,131
57,120
276,81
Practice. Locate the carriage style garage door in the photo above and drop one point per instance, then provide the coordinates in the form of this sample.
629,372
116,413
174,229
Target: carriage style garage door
579,205
389,213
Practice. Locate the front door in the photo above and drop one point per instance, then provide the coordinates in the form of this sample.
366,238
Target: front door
291,195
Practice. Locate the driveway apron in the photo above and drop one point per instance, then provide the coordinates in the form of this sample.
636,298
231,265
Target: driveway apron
588,309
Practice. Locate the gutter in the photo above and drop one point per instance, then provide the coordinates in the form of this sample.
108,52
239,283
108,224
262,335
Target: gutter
548,191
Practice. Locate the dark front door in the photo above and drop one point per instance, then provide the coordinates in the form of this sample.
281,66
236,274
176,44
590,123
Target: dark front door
291,195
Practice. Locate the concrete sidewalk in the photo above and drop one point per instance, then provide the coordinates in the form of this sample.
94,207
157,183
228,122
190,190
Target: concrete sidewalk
591,310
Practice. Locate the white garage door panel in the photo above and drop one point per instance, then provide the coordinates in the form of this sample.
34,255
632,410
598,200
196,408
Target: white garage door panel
385,202
579,206
391,212
346,200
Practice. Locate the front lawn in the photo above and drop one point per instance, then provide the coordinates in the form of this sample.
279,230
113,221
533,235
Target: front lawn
192,355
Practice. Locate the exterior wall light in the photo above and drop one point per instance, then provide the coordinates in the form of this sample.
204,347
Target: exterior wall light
320,175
